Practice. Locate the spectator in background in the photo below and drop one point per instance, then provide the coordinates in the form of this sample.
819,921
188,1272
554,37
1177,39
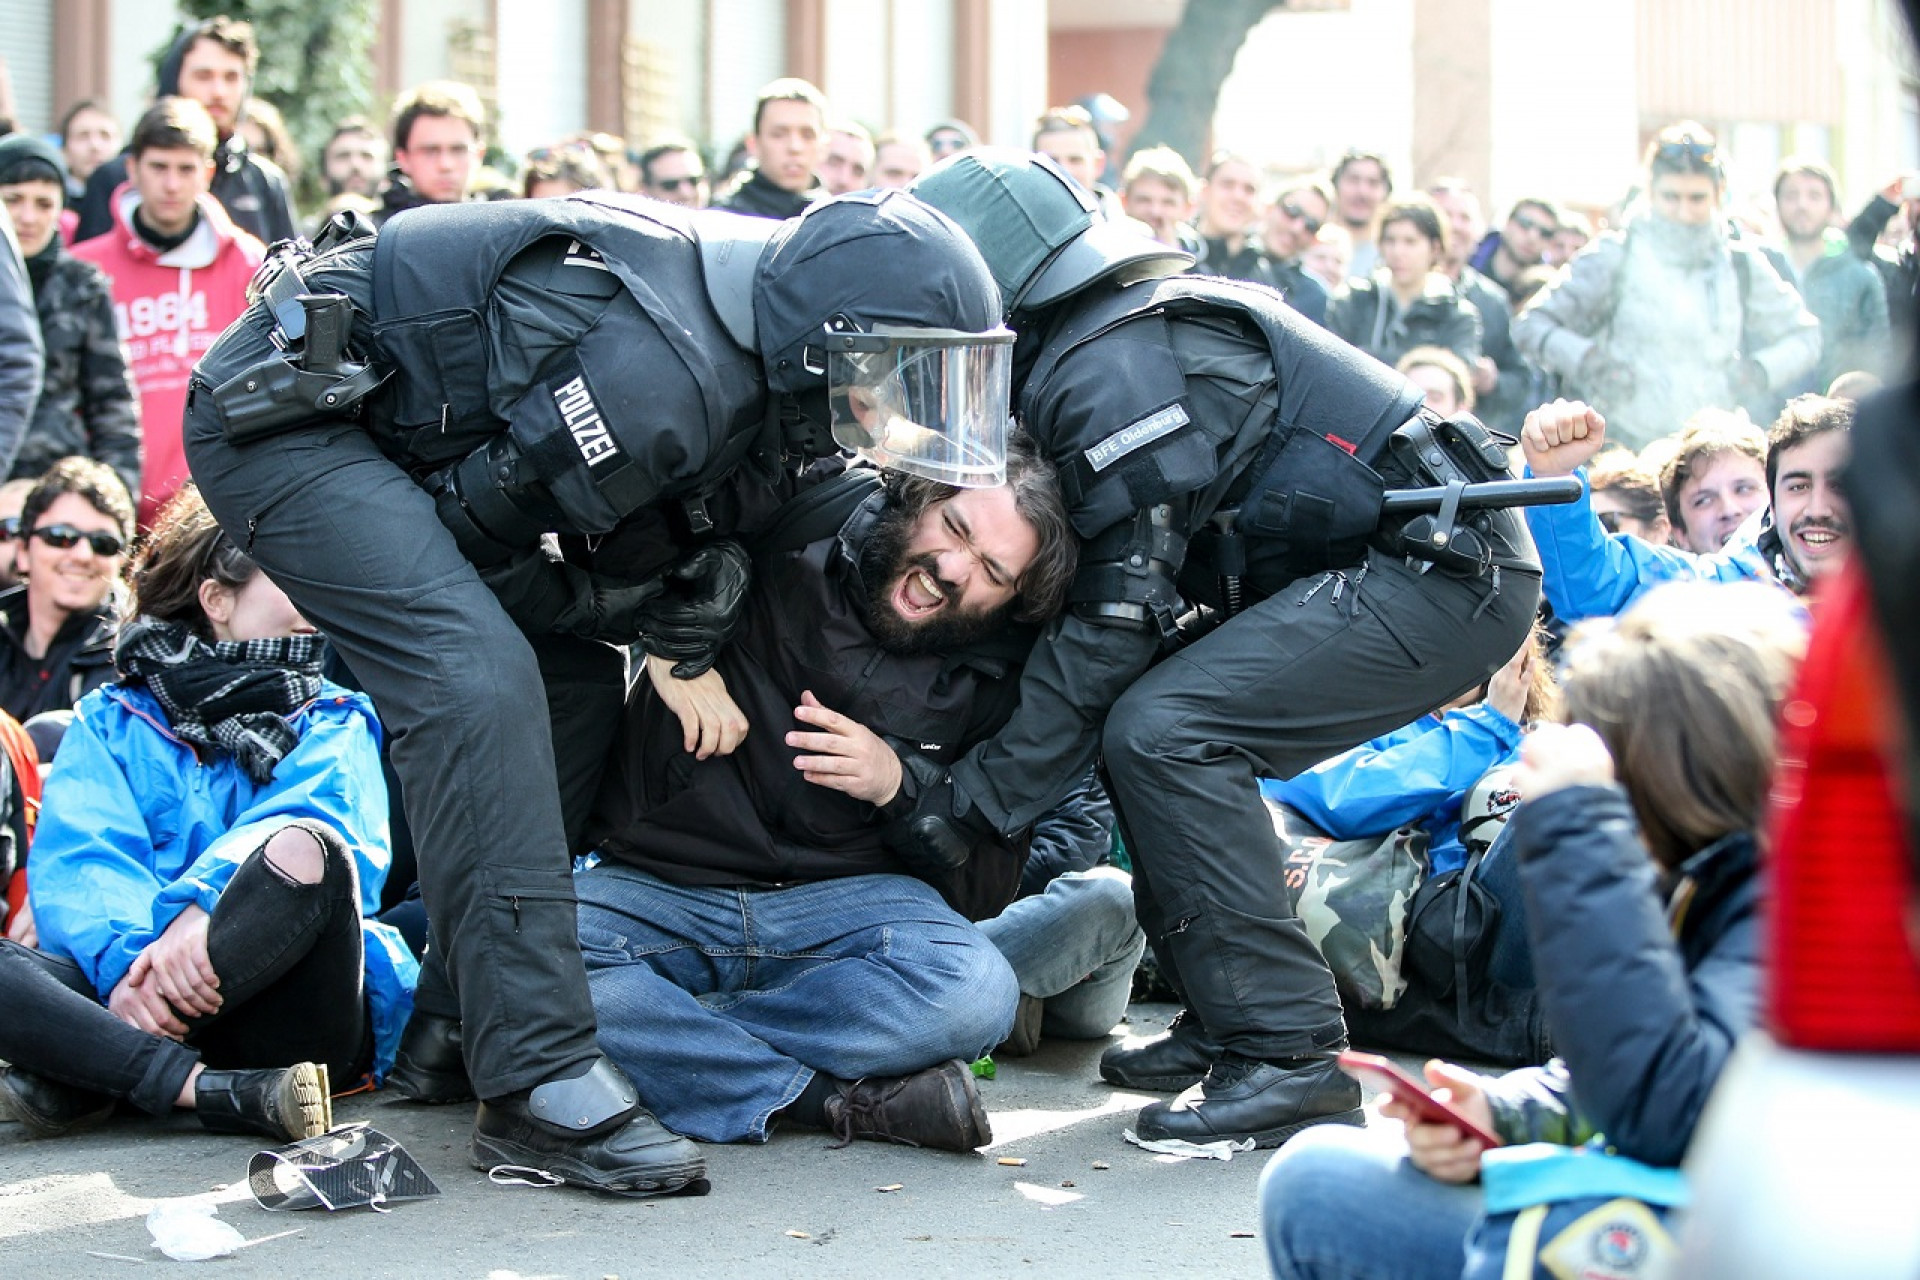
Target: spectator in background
1574,232
1443,376
56,629
946,137
354,159
1329,256
1066,135
1501,380
268,139
13,495
1293,220
87,403
788,145
672,170
89,137
1673,316
1361,184
898,160
563,170
1845,294
212,63
849,162
179,270
1157,190
1406,302
1523,242
1229,214
1714,479
438,128
22,359
1626,498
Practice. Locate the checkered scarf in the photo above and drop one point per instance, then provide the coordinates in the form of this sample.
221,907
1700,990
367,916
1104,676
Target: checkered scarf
232,695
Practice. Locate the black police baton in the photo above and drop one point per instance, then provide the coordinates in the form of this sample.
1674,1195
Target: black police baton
1547,491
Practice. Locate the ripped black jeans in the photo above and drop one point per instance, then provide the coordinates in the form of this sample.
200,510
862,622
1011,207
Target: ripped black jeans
290,964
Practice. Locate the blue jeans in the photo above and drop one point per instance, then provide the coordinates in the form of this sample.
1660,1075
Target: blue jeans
1338,1203
1075,947
721,1003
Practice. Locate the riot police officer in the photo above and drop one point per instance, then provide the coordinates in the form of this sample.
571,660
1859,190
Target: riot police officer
396,414
1217,450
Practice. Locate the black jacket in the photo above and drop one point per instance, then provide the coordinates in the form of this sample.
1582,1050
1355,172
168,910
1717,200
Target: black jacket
750,818
88,403
1644,1004
79,660
1365,314
756,194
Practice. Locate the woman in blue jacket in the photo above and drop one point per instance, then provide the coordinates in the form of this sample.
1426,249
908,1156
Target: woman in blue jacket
1638,860
212,836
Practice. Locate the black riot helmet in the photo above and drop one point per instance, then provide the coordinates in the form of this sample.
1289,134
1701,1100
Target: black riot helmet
1041,232
877,316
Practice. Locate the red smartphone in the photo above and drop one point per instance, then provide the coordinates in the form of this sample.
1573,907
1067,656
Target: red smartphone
1388,1077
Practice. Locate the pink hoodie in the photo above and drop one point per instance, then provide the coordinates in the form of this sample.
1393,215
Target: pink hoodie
170,307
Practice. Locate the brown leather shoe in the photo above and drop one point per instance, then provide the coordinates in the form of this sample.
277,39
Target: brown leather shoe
939,1107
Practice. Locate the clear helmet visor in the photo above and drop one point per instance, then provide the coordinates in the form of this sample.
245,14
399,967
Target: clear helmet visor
931,402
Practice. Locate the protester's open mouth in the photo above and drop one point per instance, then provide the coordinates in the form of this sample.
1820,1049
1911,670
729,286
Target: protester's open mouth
918,595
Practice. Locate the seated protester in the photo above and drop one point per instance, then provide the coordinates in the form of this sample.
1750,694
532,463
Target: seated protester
1626,498
87,403
1715,478
56,628
1802,535
1417,775
1443,375
755,950
211,835
1070,935
1407,302
1638,863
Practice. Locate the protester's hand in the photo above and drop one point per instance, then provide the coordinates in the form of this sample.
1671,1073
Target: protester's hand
1441,1151
694,618
1561,755
181,968
1896,190
1486,376
137,1002
1561,437
711,721
21,929
1507,691
846,755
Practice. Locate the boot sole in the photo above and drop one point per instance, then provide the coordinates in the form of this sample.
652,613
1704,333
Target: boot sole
689,1176
1265,1138
308,1100
1152,1084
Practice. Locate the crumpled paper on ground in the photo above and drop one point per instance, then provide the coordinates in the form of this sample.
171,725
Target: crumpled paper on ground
1224,1149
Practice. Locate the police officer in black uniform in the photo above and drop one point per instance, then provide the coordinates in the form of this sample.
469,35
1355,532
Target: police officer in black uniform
1218,450
396,416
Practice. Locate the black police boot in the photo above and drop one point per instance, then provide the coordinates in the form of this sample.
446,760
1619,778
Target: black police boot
939,1107
49,1108
1165,1064
430,1066
285,1103
1267,1101
590,1131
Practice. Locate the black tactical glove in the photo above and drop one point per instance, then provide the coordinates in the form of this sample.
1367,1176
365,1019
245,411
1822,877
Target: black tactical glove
920,827
690,621
545,594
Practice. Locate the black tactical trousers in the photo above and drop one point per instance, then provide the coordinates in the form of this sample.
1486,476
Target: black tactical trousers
355,544
1324,665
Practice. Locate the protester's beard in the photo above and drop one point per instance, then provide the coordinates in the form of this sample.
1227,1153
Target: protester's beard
883,563
1790,545
1686,244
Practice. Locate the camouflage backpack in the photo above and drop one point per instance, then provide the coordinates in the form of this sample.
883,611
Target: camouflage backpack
1354,897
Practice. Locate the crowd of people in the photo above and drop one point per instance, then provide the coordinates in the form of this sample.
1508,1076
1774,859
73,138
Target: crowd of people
669,676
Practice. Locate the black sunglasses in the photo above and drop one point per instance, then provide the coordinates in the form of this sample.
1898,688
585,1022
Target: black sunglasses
64,536
1688,151
9,528
1538,228
674,184
1293,210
